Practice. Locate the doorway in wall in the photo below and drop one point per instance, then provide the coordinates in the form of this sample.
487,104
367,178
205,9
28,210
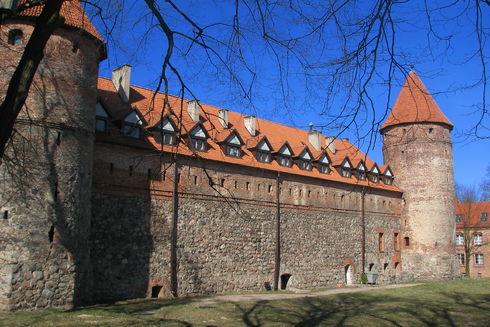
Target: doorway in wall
348,275
155,291
284,280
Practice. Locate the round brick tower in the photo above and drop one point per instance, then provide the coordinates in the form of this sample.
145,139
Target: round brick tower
417,147
45,177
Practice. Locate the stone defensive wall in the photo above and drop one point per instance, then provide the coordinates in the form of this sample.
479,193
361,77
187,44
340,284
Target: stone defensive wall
227,227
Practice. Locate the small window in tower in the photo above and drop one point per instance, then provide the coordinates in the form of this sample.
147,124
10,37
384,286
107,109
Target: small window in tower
6,215
407,241
130,170
111,168
195,180
270,189
222,182
248,186
75,48
385,266
51,234
396,242
236,184
371,266
431,130
149,173
15,37
381,242
58,138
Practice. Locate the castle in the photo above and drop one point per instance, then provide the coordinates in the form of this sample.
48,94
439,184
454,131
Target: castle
107,195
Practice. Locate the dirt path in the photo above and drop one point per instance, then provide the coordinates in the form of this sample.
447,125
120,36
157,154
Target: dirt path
299,294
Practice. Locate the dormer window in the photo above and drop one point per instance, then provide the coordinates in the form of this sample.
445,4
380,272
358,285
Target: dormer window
346,169
305,160
374,174
101,118
361,171
388,177
484,216
132,125
198,138
233,145
284,156
167,132
324,164
459,218
263,152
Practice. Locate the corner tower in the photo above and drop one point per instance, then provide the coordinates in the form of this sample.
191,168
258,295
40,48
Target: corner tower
45,177
417,146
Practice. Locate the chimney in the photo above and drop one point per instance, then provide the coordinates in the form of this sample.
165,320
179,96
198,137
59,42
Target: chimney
250,124
330,142
193,110
223,117
314,139
121,78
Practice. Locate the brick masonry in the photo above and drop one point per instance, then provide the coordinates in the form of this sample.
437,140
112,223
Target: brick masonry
421,157
45,187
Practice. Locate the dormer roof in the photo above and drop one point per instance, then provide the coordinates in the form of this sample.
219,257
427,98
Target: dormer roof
415,105
270,136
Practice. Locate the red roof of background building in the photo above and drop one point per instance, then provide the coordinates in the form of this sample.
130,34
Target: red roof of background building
415,105
471,212
73,13
277,134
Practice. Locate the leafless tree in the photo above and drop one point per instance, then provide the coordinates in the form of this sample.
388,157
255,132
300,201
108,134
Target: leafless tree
338,49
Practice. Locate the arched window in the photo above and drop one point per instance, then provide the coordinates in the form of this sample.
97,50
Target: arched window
15,37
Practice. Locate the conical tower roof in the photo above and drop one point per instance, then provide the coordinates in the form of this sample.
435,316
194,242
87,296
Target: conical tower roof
73,13
415,105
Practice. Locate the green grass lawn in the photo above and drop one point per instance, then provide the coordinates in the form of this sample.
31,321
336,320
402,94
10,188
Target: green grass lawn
456,303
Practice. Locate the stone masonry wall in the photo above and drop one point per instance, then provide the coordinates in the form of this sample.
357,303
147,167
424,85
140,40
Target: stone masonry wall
45,178
226,237
421,158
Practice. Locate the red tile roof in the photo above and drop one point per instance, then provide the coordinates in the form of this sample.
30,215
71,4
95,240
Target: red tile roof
471,212
415,105
277,134
73,13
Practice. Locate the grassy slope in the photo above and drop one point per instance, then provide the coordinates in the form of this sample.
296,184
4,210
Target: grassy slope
457,303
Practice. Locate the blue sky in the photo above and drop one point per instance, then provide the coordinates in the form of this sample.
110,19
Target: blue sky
447,68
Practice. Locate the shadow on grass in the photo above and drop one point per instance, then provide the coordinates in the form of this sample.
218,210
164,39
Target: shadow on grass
419,309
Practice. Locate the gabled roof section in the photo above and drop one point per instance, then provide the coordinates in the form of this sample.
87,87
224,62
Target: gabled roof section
230,136
386,170
285,149
305,154
166,124
198,131
323,158
415,105
361,166
346,163
134,118
270,136
72,12
374,169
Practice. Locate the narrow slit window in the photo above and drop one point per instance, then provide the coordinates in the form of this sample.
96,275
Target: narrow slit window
5,215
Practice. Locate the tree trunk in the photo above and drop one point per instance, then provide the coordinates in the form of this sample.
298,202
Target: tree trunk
21,80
